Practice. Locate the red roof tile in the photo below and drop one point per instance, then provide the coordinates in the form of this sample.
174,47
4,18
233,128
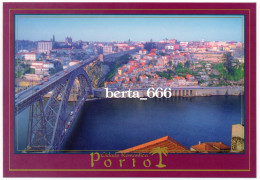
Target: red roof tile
210,147
172,145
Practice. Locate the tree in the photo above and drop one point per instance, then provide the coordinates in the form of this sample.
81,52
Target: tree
166,74
32,71
113,66
162,54
58,66
149,46
228,60
179,66
160,151
169,63
52,71
187,64
236,63
153,62
43,55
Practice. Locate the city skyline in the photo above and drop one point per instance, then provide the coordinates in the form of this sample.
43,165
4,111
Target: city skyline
108,28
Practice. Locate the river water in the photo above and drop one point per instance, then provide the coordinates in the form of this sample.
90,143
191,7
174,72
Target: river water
117,124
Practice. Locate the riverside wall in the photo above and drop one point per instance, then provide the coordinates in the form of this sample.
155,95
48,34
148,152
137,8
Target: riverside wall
176,92
184,91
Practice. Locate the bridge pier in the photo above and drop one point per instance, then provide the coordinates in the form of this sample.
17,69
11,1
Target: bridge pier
37,118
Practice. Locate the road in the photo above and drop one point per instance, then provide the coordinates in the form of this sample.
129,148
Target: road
52,79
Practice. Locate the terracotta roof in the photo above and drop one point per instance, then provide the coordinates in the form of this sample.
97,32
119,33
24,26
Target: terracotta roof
219,145
172,145
152,54
210,147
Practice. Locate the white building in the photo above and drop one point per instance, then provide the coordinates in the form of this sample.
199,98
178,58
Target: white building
37,63
44,46
41,67
184,43
30,56
48,65
107,50
169,47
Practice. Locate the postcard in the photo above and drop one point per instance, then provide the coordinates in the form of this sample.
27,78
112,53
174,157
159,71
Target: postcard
129,89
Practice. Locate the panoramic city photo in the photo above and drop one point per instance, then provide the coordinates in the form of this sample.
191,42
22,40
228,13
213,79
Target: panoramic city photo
129,84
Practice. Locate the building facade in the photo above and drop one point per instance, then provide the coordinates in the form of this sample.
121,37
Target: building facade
68,40
44,46
107,50
30,56
238,138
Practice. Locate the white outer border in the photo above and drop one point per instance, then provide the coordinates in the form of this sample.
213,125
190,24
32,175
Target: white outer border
1,75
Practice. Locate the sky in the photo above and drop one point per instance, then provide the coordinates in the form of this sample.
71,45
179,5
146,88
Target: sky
134,27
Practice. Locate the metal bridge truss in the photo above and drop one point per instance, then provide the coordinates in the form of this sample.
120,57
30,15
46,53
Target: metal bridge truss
48,121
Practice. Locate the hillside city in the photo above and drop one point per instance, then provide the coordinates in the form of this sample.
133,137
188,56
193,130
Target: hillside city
166,63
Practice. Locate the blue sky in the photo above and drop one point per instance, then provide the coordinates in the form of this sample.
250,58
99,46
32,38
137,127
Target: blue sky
137,28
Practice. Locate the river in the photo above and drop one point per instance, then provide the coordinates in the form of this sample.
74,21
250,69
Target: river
117,124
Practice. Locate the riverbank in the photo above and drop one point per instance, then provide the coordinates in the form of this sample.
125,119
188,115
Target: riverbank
182,91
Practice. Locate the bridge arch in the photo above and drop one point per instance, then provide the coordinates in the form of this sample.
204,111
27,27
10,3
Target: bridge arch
49,131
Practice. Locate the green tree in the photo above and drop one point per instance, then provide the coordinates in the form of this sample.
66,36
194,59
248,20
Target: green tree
113,66
32,71
228,61
187,64
179,66
52,71
166,74
149,45
169,63
43,55
58,66
221,69
238,73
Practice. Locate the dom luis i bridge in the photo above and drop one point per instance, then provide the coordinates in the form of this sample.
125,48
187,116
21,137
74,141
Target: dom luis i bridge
49,121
